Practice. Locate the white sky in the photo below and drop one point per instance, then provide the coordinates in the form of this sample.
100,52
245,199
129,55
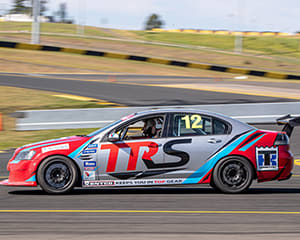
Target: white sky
259,15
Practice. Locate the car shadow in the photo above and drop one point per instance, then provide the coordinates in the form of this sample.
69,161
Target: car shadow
159,191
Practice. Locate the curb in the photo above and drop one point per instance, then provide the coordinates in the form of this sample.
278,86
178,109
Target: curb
210,67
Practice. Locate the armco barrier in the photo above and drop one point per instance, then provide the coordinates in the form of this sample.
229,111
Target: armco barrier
205,66
99,117
225,32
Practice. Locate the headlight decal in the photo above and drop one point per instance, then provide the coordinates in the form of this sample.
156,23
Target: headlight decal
24,155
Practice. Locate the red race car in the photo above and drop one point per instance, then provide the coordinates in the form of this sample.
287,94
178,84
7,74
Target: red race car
161,147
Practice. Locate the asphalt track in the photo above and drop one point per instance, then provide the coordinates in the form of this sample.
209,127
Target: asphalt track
268,210
132,92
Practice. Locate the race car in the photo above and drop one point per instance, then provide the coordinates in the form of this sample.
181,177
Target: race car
158,147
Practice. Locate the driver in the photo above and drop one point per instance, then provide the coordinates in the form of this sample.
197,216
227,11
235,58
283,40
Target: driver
149,129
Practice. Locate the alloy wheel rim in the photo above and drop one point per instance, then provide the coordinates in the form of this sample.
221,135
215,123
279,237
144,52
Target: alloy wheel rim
234,174
58,175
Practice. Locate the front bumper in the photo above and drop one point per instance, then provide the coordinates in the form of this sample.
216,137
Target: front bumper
21,173
6,182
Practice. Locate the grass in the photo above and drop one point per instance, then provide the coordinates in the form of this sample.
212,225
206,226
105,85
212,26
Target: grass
280,54
28,61
53,28
16,99
263,45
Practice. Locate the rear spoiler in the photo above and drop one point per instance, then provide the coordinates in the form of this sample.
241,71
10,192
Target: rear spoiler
289,123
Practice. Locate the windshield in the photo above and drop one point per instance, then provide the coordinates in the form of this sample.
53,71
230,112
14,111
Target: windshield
104,128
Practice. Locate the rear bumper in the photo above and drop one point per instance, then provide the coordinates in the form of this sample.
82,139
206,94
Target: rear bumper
284,172
286,177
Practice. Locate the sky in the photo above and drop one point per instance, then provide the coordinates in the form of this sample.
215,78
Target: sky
244,15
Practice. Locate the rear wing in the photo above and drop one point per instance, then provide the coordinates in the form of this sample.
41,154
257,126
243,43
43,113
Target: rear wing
289,123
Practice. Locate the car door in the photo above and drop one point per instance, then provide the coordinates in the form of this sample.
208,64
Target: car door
132,157
193,139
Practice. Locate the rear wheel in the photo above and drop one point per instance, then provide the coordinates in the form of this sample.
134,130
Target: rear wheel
232,175
57,175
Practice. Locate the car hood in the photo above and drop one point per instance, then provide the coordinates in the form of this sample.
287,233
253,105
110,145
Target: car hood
71,139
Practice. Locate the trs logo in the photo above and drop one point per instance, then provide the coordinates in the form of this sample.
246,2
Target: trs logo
267,158
146,155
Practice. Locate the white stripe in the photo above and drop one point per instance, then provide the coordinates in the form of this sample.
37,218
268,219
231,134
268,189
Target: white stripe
55,123
263,116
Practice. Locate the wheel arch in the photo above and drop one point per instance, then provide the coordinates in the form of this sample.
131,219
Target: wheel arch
78,184
235,155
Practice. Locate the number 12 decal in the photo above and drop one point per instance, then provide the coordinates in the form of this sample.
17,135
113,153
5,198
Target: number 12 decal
194,119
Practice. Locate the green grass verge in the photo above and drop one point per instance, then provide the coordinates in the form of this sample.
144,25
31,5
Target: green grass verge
16,99
266,45
54,28
289,46
277,45
273,53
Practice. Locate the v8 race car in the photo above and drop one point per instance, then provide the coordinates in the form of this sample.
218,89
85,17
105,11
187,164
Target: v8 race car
160,147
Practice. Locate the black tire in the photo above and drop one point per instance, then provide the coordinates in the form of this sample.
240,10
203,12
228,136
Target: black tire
57,175
213,185
232,175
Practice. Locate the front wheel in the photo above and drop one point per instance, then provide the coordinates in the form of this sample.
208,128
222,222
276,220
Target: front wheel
233,175
57,175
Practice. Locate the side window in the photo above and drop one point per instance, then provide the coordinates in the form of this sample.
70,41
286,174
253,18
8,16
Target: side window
144,128
191,125
220,127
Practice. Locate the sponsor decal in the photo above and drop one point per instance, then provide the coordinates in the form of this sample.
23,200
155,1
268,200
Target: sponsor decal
133,182
89,164
89,169
98,183
89,175
56,147
146,155
89,151
92,145
267,158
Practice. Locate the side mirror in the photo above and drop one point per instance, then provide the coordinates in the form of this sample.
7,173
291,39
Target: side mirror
113,137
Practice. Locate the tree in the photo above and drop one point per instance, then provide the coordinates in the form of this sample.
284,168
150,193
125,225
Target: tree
20,6
153,22
62,12
25,6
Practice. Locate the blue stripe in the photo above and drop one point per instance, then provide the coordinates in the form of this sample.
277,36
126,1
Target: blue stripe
78,150
32,179
15,161
243,149
202,171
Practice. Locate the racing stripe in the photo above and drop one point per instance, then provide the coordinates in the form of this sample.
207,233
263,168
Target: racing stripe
243,149
32,179
78,150
208,166
255,135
